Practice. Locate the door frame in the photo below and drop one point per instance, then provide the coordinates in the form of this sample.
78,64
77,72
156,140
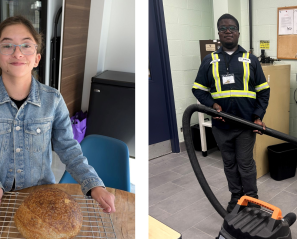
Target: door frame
168,89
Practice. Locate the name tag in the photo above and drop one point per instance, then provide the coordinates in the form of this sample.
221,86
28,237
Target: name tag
214,61
228,79
241,59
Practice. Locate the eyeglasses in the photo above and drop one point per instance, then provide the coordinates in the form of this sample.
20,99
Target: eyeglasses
230,28
9,49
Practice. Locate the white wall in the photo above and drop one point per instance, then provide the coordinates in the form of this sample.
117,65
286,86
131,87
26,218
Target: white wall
187,22
92,54
120,51
52,9
111,40
221,7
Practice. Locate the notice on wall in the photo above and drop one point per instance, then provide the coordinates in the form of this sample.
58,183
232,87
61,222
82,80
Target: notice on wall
210,47
295,21
286,22
264,44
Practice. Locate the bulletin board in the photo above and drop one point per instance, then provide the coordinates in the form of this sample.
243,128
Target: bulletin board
286,44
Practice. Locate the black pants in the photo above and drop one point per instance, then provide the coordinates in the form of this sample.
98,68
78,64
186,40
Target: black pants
236,146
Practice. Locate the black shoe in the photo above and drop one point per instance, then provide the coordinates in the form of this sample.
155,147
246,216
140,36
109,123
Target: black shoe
234,199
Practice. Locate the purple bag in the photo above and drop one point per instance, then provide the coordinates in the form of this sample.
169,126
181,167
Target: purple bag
79,125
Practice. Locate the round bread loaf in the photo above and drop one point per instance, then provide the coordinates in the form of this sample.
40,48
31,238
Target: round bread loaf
49,214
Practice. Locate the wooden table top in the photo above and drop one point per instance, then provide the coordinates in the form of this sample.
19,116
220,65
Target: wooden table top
123,219
158,230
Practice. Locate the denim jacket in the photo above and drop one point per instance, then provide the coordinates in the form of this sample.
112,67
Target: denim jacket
28,134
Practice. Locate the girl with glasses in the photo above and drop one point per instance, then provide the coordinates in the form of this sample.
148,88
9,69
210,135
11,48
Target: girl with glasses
34,119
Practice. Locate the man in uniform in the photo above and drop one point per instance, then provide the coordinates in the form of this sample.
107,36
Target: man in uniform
232,80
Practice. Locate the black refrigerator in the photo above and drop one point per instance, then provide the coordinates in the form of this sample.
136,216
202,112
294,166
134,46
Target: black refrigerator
34,11
112,107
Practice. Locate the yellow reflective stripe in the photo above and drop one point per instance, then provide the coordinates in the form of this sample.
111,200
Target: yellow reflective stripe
199,86
233,93
217,67
261,87
248,68
246,72
215,72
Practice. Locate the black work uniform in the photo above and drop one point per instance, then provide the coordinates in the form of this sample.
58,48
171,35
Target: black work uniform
237,83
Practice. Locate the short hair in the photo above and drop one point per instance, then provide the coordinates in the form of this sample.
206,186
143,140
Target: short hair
228,16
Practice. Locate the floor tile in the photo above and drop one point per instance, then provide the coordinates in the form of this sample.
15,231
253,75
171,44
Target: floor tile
164,191
158,213
263,178
223,195
182,205
219,164
292,188
189,180
184,169
189,216
166,165
211,225
163,158
162,178
270,188
205,161
219,180
181,200
287,202
194,233
187,168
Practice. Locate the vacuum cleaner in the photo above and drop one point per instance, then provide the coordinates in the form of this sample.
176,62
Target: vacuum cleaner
265,222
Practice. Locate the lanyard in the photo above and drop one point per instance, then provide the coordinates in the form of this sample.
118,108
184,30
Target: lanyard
227,63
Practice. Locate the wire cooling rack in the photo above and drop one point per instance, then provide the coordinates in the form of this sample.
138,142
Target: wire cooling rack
96,223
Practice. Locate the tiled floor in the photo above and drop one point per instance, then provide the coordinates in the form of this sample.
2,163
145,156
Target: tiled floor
177,200
58,169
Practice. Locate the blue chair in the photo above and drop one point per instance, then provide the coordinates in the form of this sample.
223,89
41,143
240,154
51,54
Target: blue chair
109,157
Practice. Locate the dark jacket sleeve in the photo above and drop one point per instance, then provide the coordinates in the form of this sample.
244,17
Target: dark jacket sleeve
202,84
262,91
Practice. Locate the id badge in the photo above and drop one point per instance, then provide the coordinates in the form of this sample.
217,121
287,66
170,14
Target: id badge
228,79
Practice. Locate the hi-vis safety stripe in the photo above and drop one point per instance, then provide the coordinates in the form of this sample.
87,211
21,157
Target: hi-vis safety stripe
233,93
230,93
199,86
246,72
261,87
215,71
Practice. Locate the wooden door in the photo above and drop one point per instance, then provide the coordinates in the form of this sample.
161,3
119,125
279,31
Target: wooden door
74,46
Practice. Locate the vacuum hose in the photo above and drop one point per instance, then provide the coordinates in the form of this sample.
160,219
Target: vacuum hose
247,124
234,120
193,159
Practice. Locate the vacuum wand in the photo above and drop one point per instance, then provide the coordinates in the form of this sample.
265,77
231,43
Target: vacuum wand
248,124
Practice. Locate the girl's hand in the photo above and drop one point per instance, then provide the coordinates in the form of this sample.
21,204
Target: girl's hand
104,198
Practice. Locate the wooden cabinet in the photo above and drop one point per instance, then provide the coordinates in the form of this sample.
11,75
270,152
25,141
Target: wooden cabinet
277,113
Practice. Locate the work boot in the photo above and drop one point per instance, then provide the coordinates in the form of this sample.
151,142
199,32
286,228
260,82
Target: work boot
253,204
234,199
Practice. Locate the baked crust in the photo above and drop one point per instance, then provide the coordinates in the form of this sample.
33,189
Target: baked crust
49,214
